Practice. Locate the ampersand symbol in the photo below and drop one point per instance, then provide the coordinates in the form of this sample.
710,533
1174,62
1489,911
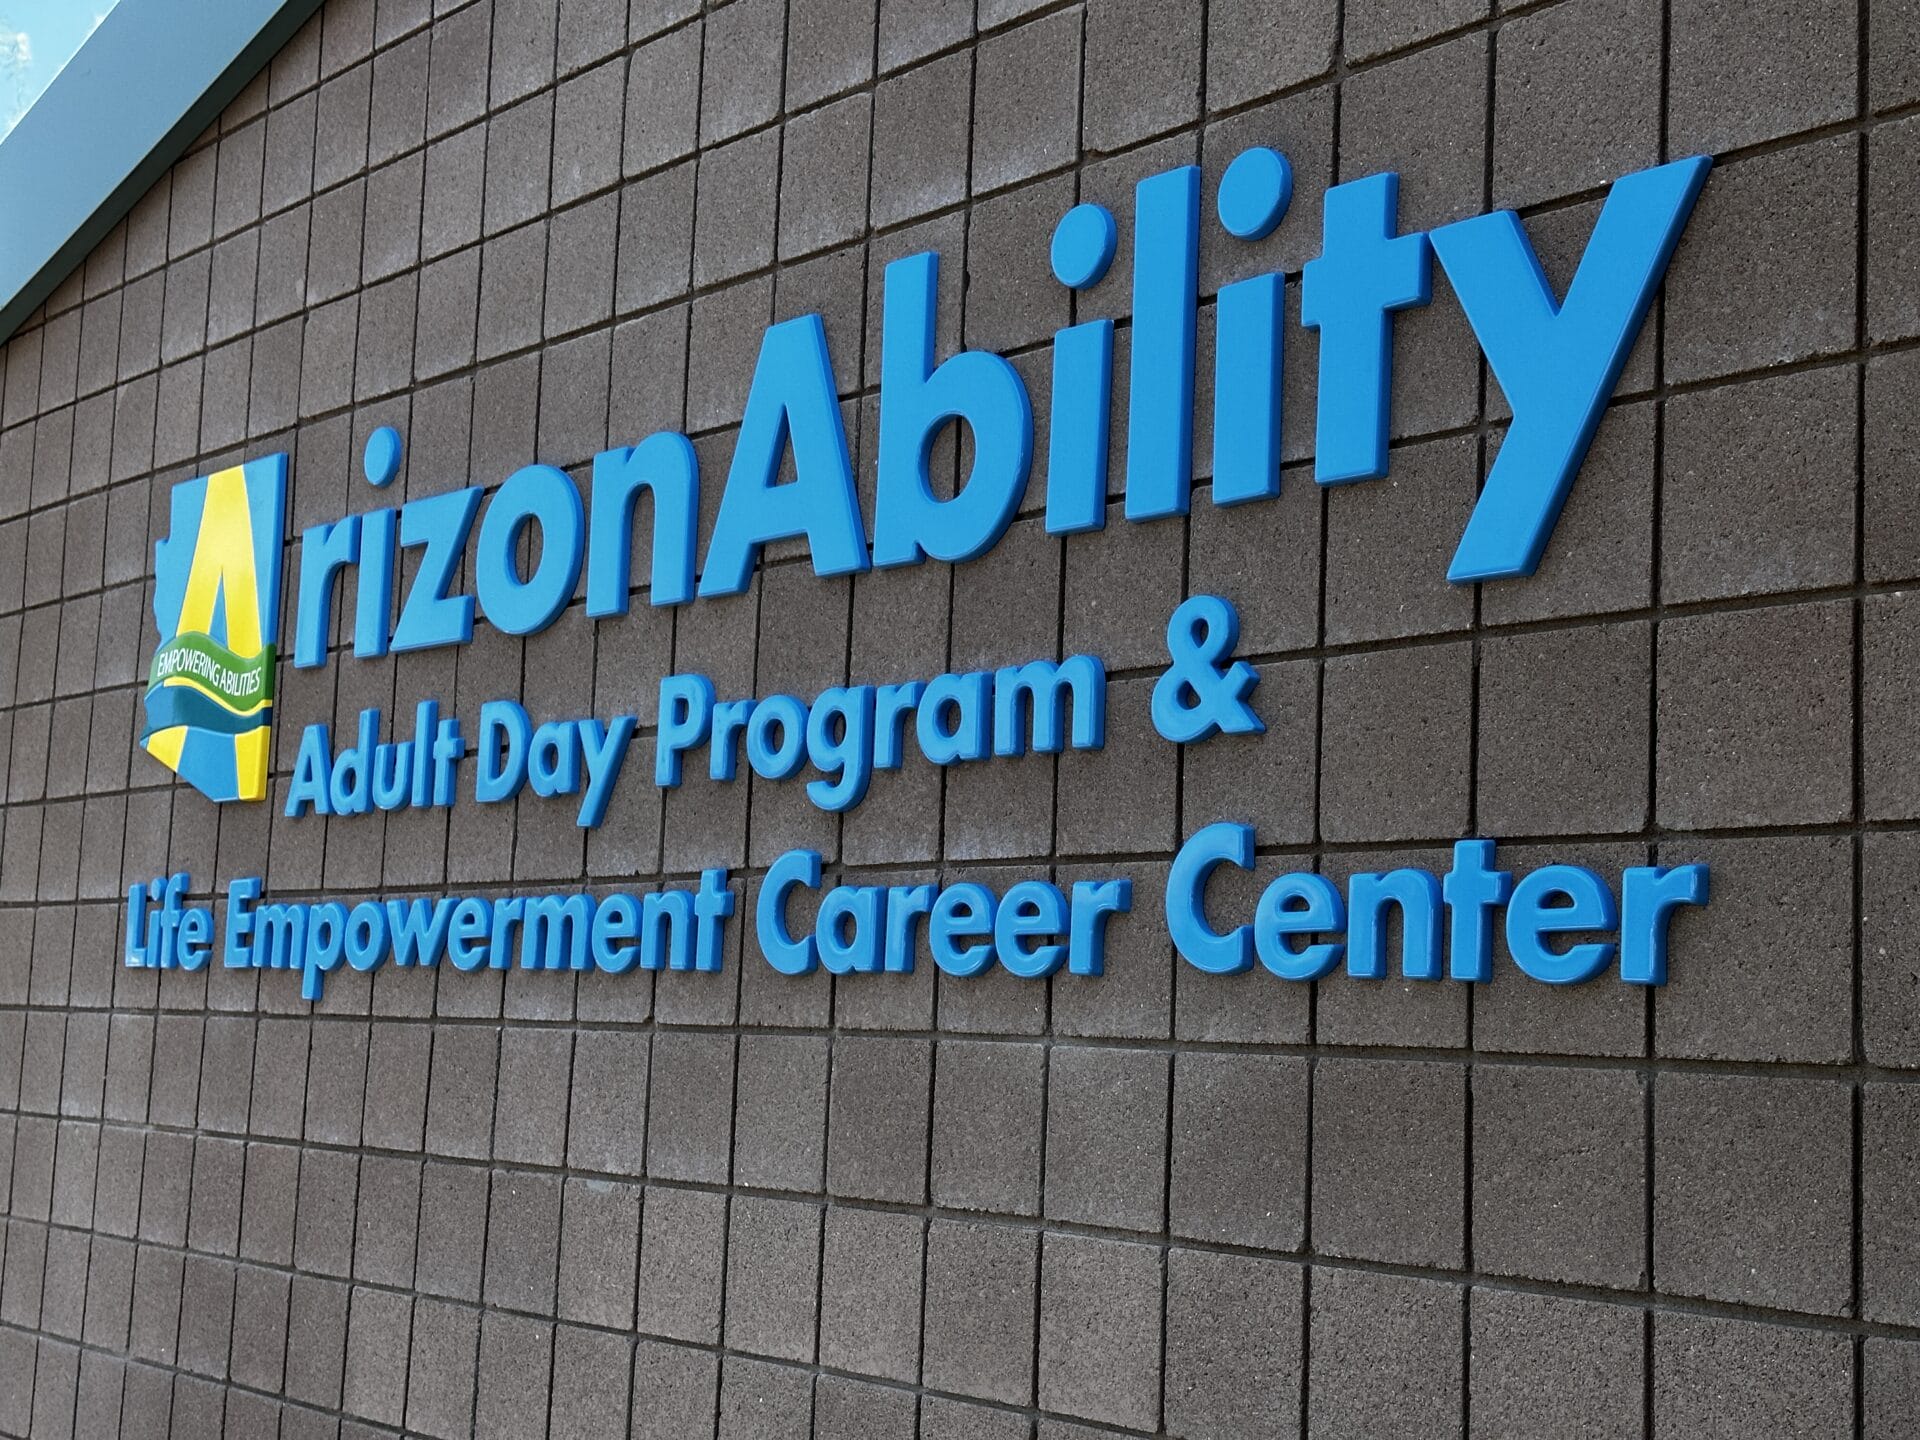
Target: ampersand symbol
1196,697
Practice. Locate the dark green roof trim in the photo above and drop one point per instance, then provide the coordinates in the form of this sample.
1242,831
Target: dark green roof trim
145,86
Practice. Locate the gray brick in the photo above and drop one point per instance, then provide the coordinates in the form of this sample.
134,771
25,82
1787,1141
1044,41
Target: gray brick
740,71
1240,1150
870,1290
1143,72
1389,1158
1754,717
851,1410
1724,93
877,1119
1892,540
656,239
1543,1365
1752,1186
682,1260
1232,1357
662,101
1759,487
440,1373
1377,26
514,1376
980,1311
454,191
316,1340
758,1400
1559,1174
519,159
1100,1330
1891,1384
523,1240
1762,275
989,1104
1106,1137
823,177
1889,1219
463,1067
1718,1378
943,1419
1255,50
1391,770
530,1109
920,128
675,1391
1026,97
587,128
453,1207
599,1246
1889,968
1388,543
912,29
379,1326
691,1121
590,1383
1574,705
1385,1356
589,30
340,128
779,1139
1564,123
734,217
523,49
260,1303
1712,1008
829,48
773,1277
392,239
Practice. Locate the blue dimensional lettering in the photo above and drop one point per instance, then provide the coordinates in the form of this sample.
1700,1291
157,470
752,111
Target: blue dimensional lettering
1363,274
792,401
916,399
325,550
544,500
665,466
1083,246
1556,362
1166,266
430,615
1553,901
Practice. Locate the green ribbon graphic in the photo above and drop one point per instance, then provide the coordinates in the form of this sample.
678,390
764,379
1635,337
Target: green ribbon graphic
195,680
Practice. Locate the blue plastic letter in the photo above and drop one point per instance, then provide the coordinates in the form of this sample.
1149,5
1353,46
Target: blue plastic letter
916,399
1590,907
1471,889
1650,892
784,953
1556,362
1199,945
533,495
1166,268
1363,273
664,465
325,550
792,401
430,616
1318,912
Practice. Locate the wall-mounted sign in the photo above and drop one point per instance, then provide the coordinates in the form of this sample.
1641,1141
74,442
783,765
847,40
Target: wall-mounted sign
1557,360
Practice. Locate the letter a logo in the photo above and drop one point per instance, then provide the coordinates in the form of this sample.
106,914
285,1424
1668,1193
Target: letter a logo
216,597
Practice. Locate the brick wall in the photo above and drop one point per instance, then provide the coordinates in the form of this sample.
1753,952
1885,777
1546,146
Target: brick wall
1155,1203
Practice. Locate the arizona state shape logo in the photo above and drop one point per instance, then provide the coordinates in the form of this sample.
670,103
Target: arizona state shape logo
216,597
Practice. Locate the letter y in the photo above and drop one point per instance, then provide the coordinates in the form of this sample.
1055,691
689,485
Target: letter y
1556,362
